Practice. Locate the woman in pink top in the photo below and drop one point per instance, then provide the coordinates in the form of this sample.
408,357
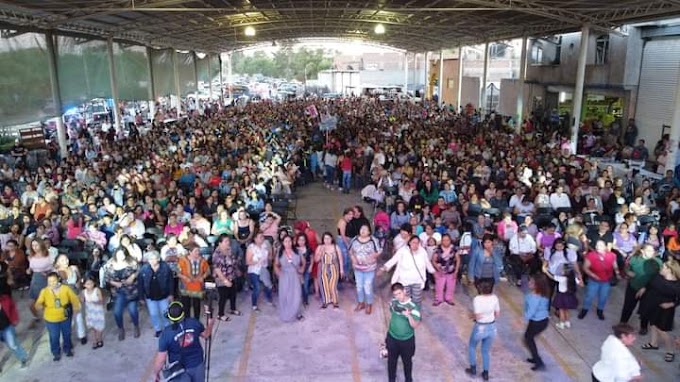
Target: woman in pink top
39,264
270,226
507,228
74,227
173,227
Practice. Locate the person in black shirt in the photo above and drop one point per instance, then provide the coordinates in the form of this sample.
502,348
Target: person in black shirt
19,152
156,286
355,224
616,199
603,233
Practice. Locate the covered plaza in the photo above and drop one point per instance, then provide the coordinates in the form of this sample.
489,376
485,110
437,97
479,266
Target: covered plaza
140,50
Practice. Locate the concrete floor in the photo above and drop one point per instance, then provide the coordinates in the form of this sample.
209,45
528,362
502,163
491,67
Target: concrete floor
340,345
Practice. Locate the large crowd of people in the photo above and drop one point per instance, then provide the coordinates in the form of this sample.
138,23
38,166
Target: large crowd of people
453,197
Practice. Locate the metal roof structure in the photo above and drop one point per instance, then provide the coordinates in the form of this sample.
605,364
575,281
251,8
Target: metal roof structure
413,25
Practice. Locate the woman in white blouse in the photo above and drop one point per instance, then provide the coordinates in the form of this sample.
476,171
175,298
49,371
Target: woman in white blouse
617,363
412,264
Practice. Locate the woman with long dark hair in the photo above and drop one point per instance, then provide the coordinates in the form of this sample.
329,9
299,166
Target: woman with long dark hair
302,248
536,312
329,257
39,265
640,269
121,275
289,266
659,299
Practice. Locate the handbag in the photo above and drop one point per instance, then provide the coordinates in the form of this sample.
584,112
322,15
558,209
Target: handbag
68,311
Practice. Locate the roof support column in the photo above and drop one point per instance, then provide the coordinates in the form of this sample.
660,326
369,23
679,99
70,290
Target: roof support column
405,90
460,78
56,95
196,78
210,92
230,79
178,92
578,87
520,92
428,92
152,88
440,90
482,100
671,161
219,60
114,85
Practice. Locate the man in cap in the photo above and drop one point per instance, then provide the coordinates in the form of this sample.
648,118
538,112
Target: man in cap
180,342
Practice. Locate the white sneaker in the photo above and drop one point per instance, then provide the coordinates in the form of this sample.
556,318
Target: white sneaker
560,325
567,324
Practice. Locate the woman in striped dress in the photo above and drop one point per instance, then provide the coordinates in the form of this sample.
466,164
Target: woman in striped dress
330,270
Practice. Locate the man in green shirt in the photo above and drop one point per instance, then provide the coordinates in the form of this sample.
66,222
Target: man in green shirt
401,341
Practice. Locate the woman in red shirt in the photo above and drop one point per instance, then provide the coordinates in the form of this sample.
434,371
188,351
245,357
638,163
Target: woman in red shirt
346,167
600,266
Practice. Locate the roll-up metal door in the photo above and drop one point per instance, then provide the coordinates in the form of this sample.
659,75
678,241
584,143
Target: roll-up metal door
659,78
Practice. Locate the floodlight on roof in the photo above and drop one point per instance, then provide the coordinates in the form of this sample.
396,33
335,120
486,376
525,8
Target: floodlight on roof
250,31
379,29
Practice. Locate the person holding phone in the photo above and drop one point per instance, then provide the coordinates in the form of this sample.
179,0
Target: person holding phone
405,317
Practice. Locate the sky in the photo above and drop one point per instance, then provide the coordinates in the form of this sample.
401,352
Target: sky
343,47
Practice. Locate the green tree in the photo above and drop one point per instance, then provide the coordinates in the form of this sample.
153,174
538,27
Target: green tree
285,63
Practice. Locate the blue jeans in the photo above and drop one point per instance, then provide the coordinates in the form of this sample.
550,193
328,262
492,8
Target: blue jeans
57,329
346,180
9,337
157,310
330,175
484,333
346,263
193,374
118,307
599,289
305,287
254,279
364,282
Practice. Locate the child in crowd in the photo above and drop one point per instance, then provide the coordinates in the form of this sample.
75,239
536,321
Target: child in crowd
565,296
93,301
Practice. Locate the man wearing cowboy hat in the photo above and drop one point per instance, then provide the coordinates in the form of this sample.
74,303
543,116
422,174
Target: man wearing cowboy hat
180,342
